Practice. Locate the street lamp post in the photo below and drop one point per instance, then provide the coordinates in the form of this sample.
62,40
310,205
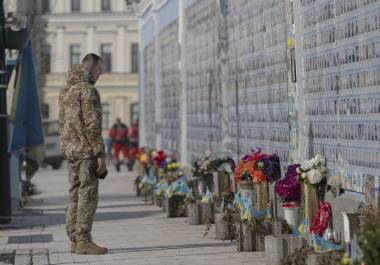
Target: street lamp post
5,187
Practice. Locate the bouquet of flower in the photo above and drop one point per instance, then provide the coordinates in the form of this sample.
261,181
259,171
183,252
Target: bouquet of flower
258,167
171,170
159,158
142,157
314,170
289,188
201,167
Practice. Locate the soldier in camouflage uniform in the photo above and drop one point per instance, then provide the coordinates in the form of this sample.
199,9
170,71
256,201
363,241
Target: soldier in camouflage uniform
80,127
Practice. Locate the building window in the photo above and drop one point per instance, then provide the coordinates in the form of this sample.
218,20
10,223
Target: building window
75,5
135,58
106,5
106,54
106,114
45,8
45,59
134,112
74,54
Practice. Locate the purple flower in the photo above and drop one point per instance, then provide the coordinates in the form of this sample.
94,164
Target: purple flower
272,168
246,157
256,150
292,171
289,188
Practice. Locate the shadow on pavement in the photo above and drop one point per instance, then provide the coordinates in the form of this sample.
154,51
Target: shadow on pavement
99,207
31,218
168,247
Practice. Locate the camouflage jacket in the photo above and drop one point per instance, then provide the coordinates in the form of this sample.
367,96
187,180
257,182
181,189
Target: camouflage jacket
80,117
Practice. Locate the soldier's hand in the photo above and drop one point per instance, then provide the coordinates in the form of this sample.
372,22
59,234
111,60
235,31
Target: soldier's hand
102,165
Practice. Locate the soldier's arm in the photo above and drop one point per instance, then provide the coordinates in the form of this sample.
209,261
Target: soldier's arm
92,117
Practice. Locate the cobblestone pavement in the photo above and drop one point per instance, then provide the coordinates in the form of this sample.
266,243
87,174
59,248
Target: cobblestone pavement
135,232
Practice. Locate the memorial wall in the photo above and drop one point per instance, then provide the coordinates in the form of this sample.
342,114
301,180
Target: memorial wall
238,55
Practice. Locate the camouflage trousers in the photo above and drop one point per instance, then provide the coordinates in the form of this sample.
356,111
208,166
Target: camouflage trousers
83,199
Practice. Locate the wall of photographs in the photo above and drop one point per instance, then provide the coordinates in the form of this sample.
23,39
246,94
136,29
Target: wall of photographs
170,87
203,95
149,94
258,77
341,78
238,51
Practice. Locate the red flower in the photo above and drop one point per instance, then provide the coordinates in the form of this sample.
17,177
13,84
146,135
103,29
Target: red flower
259,176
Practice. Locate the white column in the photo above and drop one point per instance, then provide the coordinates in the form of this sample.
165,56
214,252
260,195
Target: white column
120,50
91,5
119,6
157,69
59,56
60,6
183,100
67,6
142,129
120,106
90,40
303,137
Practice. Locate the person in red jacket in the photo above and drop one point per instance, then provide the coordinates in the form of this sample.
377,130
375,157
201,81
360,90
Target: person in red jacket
134,135
133,144
119,136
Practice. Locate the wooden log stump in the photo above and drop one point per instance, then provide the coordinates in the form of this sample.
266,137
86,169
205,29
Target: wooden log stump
317,258
261,195
193,214
175,206
278,247
206,213
223,227
254,240
311,201
246,238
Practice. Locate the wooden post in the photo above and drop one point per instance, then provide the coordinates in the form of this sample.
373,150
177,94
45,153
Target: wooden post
206,213
246,238
311,201
193,214
222,227
262,196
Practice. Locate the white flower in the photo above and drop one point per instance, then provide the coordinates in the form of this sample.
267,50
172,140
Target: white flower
307,165
298,170
319,161
314,176
303,175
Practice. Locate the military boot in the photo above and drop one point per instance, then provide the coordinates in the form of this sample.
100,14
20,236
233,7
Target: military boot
73,246
88,247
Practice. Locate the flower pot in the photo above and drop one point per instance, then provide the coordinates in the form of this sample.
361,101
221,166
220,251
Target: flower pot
291,215
311,201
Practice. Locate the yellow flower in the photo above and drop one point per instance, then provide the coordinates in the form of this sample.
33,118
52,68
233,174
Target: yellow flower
144,158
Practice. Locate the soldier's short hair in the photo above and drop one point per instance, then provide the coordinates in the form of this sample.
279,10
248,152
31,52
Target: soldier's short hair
91,59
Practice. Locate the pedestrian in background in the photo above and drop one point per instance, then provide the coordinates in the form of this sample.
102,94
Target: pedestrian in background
133,144
119,136
80,128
